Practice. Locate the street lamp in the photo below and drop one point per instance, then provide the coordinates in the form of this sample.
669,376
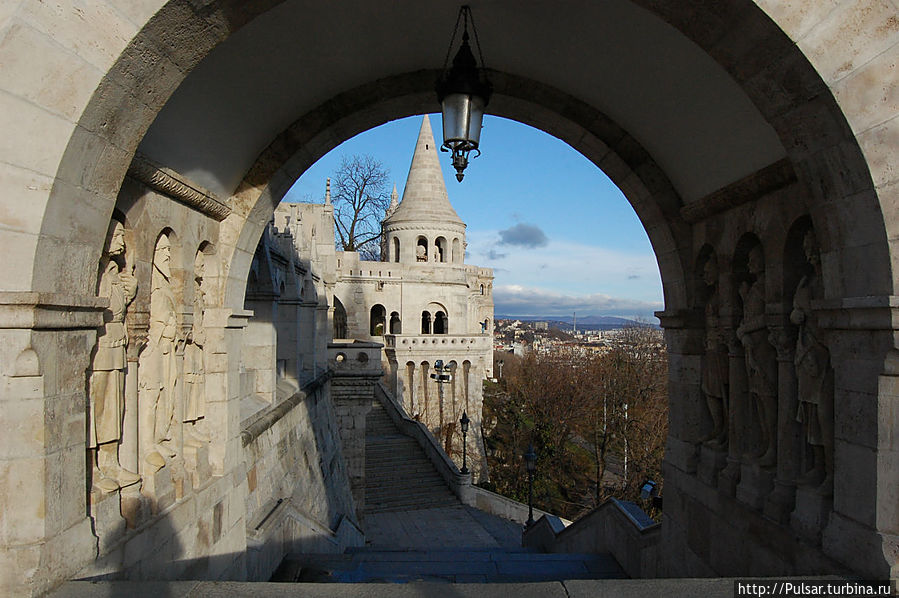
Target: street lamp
463,92
464,421
530,462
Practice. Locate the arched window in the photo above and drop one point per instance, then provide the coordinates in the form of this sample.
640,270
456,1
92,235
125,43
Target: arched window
396,326
457,251
377,320
425,322
396,249
442,249
482,289
339,319
441,323
421,250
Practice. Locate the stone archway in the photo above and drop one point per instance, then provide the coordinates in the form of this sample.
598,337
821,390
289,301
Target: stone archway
812,82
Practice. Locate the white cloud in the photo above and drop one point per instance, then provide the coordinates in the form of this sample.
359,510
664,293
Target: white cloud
517,300
570,269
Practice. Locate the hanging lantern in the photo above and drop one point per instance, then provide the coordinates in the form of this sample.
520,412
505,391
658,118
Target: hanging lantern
463,91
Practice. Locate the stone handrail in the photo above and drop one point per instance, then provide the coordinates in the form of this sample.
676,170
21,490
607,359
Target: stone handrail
459,483
502,506
618,527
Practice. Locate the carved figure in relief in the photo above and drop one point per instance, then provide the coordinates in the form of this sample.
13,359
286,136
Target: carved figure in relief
761,363
715,367
158,373
106,402
194,370
814,376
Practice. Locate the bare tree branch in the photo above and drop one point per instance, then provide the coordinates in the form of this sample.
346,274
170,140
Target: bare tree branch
360,197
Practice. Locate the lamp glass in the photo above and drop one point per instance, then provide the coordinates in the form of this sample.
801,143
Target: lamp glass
463,114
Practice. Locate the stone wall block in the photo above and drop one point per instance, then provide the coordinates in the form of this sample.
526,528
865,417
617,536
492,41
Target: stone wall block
62,83
887,492
145,74
22,495
851,35
47,133
23,426
869,94
138,11
92,30
32,191
797,18
877,144
183,35
855,482
855,418
749,46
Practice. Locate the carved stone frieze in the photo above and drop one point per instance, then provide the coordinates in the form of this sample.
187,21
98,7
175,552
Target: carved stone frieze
176,186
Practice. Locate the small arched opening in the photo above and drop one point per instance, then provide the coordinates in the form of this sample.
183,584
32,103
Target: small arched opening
396,325
425,322
340,330
377,320
421,250
441,323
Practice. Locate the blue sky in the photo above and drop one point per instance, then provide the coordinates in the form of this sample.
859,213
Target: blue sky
558,233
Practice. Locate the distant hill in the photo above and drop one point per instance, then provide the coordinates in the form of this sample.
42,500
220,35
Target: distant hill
585,323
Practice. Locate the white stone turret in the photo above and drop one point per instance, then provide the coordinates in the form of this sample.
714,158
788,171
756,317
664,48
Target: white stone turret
424,227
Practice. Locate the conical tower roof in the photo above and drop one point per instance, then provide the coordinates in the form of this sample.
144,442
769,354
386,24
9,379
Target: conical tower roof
425,198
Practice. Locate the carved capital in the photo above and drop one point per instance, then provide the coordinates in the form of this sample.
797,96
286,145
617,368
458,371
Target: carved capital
783,342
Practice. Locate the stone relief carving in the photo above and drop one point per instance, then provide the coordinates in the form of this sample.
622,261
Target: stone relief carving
194,370
761,363
158,372
814,376
715,366
106,402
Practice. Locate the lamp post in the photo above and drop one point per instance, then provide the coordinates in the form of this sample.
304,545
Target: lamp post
530,462
464,421
441,376
463,91
500,364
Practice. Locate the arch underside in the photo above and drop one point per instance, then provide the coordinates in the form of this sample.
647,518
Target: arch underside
788,152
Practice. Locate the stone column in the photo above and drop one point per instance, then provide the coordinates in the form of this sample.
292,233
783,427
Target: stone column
782,500
356,370
737,413
688,415
45,352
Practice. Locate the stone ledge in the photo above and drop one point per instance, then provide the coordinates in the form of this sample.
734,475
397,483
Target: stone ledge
29,309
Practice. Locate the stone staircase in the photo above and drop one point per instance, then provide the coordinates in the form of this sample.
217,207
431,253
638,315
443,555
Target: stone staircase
470,565
398,474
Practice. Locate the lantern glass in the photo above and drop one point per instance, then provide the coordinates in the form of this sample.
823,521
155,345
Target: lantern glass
530,459
462,117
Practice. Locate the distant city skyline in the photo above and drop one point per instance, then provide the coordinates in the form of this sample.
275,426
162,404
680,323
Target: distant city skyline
558,233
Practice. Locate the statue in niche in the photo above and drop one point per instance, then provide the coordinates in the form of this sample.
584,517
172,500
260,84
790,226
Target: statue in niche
421,254
194,371
715,367
761,363
814,375
106,395
158,373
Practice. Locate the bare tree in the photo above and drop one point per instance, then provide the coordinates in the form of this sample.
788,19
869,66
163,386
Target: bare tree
360,197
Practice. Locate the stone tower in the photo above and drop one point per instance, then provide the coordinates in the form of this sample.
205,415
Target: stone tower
424,227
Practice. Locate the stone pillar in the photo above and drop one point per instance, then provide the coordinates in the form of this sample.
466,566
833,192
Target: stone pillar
737,414
782,500
356,370
688,415
224,339
45,349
